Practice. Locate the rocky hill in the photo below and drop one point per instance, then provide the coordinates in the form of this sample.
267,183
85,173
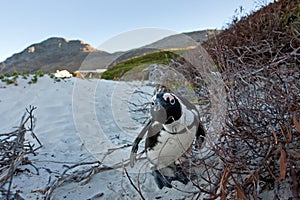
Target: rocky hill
184,40
49,55
176,41
59,53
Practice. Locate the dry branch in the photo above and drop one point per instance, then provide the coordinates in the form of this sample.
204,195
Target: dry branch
13,148
82,172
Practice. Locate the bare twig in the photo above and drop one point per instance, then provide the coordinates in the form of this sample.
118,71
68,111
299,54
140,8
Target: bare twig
133,185
13,148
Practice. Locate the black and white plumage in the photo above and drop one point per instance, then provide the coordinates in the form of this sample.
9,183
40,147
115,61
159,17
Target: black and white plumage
174,124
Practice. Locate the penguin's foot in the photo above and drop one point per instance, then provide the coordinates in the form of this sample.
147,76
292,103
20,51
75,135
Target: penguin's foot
181,176
165,181
162,181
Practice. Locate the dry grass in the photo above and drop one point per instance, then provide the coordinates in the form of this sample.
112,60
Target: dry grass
259,61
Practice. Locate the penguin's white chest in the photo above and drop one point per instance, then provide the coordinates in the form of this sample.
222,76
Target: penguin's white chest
170,147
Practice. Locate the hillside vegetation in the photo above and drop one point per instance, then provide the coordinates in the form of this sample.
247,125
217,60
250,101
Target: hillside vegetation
267,34
159,57
259,59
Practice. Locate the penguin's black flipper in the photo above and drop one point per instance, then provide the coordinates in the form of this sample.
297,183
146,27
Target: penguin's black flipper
200,135
162,181
136,142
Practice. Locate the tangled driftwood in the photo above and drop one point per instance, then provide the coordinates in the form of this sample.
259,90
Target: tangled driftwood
13,150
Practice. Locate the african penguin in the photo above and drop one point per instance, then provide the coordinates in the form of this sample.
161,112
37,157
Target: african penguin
174,124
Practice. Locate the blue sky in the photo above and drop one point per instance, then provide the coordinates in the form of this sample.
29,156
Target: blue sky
96,21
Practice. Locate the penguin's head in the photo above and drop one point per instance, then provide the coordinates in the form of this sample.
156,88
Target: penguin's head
165,108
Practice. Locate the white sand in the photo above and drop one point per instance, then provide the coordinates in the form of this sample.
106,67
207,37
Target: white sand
78,121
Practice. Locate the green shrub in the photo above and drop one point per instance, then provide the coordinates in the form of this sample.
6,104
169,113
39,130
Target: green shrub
39,73
51,76
160,57
34,79
24,75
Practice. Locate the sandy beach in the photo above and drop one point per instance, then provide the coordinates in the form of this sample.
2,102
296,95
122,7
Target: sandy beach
86,131
80,121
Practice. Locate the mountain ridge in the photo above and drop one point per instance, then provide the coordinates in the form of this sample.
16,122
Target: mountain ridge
56,53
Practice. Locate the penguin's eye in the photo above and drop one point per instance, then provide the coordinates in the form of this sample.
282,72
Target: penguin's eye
172,101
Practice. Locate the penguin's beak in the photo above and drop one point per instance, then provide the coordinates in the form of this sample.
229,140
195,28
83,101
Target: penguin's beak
158,112
157,106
